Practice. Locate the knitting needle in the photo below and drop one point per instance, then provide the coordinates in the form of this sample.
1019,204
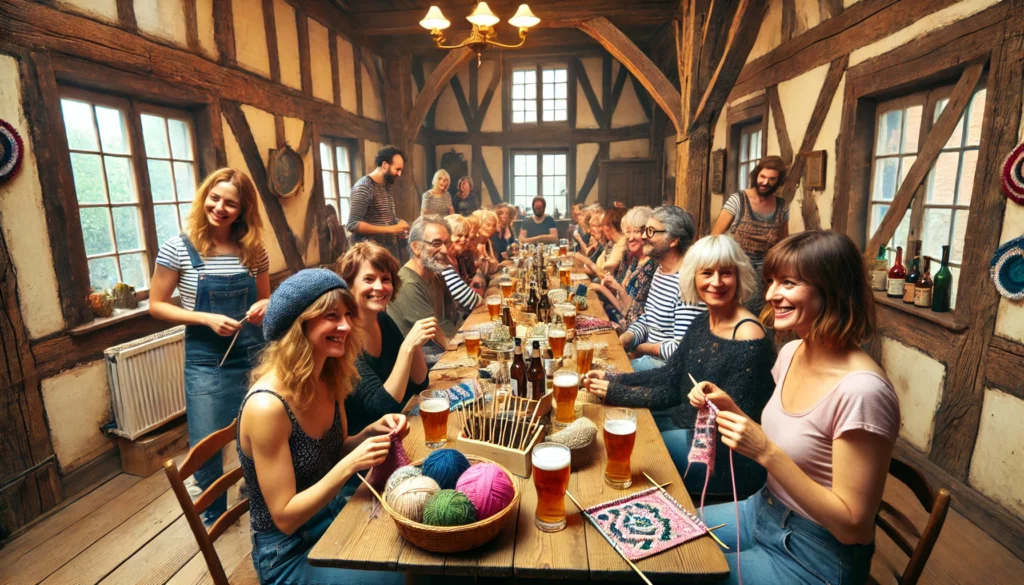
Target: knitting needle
711,534
517,421
233,340
621,554
533,424
379,498
494,414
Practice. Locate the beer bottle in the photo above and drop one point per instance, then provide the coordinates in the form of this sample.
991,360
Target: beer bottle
506,319
544,305
533,301
538,382
518,371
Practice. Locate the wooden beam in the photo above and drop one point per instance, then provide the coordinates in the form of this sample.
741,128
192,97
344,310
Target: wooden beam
126,15
258,172
742,34
485,101
643,97
332,46
541,137
223,32
1004,367
357,69
305,68
270,28
464,108
488,181
590,179
620,84
191,26
432,88
779,119
927,154
788,19
646,72
588,89
828,9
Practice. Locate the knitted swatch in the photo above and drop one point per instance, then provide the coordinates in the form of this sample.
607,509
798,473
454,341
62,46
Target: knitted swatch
397,457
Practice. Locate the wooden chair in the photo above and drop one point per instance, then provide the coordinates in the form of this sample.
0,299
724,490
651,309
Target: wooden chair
197,456
895,523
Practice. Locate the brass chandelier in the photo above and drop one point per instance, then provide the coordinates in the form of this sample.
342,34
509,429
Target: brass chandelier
483,21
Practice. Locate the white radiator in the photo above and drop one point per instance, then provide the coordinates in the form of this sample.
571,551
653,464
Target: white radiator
147,381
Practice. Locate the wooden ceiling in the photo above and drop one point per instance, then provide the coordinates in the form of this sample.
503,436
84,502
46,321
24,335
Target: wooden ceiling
397,21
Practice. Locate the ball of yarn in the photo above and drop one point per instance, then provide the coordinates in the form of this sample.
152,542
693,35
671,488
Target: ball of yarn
410,497
488,487
577,435
401,474
449,508
445,466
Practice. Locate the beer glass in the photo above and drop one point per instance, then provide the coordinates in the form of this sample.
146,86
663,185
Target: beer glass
472,337
568,312
584,357
563,247
565,274
619,437
567,385
434,409
506,287
551,478
556,339
494,307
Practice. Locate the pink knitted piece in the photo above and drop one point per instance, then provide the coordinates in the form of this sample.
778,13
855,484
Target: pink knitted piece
397,457
645,523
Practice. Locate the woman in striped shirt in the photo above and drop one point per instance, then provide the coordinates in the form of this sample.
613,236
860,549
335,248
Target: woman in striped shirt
437,201
222,273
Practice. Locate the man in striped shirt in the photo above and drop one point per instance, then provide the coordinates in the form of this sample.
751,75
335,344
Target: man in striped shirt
656,334
372,213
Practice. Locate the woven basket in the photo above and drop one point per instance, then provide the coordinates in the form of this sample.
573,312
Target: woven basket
451,539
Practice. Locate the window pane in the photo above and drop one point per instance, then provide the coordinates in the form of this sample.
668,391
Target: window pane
520,186
126,227
344,184
329,194
88,174
166,217
548,76
942,179
755,144
976,114
154,136
548,186
561,91
549,164
325,157
133,271
531,92
103,273
343,204
78,125
905,164
183,210
899,237
518,92
549,115
958,133
560,186
561,75
184,181
519,164
968,164
744,146
959,231
531,165
886,179
113,135
518,77
120,180
181,140
935,232
912,129
518,118
96,230
160,182
341,154
559,164
889,126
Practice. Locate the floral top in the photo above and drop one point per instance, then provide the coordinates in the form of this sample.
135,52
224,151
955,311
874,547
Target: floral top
637,284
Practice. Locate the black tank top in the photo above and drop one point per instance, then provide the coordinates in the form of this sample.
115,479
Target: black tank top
311,458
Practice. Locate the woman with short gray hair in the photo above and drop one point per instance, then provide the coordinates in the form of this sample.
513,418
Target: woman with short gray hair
625,293
437,201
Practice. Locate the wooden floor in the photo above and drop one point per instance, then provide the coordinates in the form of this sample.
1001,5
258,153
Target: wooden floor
130,530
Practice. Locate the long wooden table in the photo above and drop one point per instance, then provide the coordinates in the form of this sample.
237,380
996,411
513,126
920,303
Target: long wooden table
358,540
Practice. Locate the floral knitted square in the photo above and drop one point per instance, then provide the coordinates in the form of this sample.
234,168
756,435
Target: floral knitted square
645,523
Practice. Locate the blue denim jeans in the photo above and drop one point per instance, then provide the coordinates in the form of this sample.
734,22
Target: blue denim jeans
777,545
281,559
750,476
645,363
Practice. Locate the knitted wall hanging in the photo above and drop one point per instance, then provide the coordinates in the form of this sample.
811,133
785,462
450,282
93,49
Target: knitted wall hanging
1013,175
645,523
12,151
1007,269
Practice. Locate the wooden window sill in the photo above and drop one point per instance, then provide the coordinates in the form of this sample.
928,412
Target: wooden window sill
946,320
119,316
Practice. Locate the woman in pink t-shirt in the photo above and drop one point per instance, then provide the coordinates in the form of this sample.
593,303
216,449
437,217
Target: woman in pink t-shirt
827,433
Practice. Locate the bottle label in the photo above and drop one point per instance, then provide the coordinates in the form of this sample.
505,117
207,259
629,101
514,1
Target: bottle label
923,297
878,278
895,287
515,387
908,292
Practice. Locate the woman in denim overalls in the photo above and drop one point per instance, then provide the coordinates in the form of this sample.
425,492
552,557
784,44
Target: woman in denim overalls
220,268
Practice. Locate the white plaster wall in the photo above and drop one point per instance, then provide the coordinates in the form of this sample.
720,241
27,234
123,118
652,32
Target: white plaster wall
419,168
448,116
827,140
918,381
998,458
295,207
347,75
372,105
492,118
207,39
593,66
250,36
320,61
638,148
769,35
585,155
494,158
24,221
628,111
101,9
285,24
162,18
585,117
77,404
370,149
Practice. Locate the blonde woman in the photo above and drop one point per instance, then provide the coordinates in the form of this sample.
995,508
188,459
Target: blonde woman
437,200
488,227
460,253
504,236
293,445
222,274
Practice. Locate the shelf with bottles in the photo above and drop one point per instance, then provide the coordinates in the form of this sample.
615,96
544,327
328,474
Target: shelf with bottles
947,320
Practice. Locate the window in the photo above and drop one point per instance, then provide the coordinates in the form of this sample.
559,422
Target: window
540,173
552,99
337,170
750,153
940,217
122,224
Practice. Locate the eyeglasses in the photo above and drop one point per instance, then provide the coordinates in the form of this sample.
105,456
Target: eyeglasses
435,244
649,232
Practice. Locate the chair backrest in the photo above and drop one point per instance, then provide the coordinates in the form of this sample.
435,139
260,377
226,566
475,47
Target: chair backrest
936,503
196,457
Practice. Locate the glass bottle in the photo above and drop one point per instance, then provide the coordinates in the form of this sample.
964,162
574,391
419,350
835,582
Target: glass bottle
517,371
942,284
533,301
502,380
880,270
536,374
910,282
544,306
897,276
923,289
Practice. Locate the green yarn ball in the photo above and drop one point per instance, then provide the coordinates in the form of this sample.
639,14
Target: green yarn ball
449,508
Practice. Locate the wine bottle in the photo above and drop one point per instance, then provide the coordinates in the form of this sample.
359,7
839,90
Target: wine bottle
538,381
910,282
923,289
880,270
533,301
942,285
897,275
518,371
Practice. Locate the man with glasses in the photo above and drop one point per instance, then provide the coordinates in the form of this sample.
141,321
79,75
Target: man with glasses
656,334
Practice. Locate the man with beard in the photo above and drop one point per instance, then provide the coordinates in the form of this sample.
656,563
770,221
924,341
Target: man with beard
372,206
656,334
423,293
540,228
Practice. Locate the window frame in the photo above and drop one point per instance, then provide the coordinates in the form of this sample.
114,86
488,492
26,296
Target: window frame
351,148
750,113
538,67
539,154
746,131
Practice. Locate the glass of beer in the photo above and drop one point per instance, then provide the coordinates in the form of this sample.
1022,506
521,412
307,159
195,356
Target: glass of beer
506,287
551,478
568,313
556,339
619,437
565,274
434,409
567,386
472,337
563,247
584,357
494,307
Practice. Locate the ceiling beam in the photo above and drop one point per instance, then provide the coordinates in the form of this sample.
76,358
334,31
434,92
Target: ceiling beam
432,88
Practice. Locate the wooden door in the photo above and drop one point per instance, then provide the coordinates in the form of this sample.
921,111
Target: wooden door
629,180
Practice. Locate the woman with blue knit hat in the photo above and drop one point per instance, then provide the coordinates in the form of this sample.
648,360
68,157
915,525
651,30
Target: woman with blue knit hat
292,441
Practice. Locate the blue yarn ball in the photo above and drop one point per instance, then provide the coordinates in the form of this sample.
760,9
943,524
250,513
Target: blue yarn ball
445,466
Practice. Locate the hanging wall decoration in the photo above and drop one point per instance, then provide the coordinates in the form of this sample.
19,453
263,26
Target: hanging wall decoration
1013,175
1008,269
12,151
285,172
